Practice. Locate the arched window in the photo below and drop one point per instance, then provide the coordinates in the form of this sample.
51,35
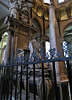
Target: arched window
61,1
66,53
47,46
47,1
65,48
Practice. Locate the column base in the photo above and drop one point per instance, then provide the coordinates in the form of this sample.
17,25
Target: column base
63,90
61,78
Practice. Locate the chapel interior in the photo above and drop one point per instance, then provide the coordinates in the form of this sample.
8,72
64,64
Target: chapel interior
50,21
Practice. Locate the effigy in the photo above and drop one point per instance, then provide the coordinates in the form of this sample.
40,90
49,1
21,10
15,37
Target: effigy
34,48
38,83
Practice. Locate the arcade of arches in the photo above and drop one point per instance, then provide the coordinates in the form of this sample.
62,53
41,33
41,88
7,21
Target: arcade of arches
41,18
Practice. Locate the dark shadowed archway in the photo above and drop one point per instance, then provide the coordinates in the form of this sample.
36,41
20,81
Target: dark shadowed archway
37,25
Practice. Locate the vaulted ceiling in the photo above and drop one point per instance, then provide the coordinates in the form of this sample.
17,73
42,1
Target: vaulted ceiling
40,8
63,10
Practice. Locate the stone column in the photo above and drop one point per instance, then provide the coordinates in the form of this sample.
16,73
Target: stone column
58,17
52,36
8,47
44,33
55,43
10,39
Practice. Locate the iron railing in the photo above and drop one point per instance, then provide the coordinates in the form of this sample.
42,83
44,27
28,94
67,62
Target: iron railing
12,82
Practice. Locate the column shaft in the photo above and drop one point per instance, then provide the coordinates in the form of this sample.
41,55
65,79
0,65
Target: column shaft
52,37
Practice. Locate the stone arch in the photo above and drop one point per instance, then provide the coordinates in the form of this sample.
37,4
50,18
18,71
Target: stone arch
70,5
63,25
39,11
63,13
67,32
68,36
67,25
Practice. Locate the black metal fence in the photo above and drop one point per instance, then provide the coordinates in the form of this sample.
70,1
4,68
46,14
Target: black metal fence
14,78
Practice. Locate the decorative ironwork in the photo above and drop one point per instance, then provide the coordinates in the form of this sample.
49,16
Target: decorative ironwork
59,54
11,74
47,55
52,52
41,56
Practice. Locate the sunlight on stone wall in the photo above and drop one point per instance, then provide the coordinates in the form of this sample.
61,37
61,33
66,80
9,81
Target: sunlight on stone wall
64,15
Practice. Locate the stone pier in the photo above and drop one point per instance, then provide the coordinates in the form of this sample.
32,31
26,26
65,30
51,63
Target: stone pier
52,37
55,42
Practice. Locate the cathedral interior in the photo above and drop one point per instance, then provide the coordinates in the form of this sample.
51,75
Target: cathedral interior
50,21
